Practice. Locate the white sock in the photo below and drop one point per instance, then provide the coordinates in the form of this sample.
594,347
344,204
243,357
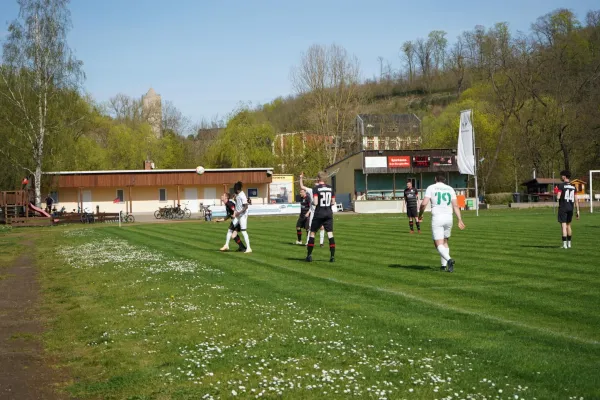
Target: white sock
444,262
228,238
444,252
246,239
322,237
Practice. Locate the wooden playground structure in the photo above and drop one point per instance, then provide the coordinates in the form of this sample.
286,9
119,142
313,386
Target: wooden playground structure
17,210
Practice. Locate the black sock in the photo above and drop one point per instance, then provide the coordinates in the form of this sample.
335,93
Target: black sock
239,242
299,233
332,246
564,238
410,223
311,245
418,225
568,238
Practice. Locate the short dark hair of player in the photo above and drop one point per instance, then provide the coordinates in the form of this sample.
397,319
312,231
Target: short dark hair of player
237,187
440,178
566,173
321,175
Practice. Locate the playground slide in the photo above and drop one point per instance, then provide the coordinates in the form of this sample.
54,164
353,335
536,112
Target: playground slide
39,211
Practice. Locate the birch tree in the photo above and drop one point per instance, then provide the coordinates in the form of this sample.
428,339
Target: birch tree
37,65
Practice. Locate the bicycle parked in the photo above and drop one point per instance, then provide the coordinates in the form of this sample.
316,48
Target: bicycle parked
87,217
126,216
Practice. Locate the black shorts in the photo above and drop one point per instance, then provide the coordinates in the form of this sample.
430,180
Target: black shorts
236,228
565,217
322,221
412,212
302,222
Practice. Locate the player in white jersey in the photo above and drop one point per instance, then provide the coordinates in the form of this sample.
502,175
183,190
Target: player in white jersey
309,194
241,213
443,201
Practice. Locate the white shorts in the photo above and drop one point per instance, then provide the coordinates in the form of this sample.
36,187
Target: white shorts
242,221
441,226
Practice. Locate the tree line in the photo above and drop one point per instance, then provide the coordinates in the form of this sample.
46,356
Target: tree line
534,96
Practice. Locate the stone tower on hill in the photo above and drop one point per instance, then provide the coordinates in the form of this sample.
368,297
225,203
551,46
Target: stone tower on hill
152,111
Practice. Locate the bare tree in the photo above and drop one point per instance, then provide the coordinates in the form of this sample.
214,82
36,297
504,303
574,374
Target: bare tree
438,43
328,78
38,64
408,48
457,64
173,120
124,108
424,53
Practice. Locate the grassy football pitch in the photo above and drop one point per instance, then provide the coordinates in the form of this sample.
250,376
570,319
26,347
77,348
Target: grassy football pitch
155,311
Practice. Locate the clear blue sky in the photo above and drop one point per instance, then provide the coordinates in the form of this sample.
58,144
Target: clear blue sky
208,56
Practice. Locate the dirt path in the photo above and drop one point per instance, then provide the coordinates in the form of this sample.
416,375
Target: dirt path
24,372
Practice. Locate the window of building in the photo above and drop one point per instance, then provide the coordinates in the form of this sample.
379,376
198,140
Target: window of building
162,194
120,195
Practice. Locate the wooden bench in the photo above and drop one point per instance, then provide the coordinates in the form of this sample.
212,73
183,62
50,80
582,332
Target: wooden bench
107,217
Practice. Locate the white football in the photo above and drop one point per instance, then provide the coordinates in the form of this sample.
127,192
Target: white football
199,170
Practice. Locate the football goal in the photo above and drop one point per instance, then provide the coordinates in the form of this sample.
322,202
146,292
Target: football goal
592,196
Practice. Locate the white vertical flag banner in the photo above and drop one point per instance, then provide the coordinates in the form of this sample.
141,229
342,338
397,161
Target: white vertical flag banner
465,152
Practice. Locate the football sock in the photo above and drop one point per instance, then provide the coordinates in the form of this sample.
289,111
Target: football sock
310,246
410,223
332,246
246,239
239,242
564,239
228,238
569,241
299,233
444,262
418,225
322,236
444,252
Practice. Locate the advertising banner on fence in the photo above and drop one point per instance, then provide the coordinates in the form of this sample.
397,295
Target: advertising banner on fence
262,209
282,189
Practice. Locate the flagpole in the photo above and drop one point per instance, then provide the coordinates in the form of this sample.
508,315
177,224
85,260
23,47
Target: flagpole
475,168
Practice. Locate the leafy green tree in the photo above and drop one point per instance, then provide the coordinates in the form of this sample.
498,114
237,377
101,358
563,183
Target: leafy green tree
246,142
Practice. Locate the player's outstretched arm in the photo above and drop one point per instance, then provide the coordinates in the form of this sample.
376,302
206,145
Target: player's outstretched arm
456,208
302,182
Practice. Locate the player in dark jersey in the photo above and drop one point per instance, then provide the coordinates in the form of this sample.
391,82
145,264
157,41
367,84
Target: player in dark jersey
323,199
567,201
303,218
234,230
411,200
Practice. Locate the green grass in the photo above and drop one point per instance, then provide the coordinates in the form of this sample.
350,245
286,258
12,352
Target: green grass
156,311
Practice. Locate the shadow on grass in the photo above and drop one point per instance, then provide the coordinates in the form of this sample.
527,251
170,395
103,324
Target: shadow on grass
541,247
303,259
417,267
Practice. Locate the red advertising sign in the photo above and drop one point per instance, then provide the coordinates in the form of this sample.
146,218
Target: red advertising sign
398,161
